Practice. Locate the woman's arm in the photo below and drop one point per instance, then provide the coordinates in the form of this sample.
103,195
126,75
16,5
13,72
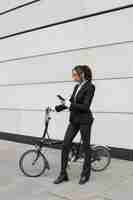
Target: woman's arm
84,107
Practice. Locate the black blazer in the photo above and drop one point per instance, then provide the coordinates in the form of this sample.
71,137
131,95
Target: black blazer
80,109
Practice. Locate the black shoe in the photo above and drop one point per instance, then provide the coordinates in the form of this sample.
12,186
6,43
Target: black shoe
61,178
83,179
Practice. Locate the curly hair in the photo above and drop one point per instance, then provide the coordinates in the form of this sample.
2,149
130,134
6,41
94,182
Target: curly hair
84,69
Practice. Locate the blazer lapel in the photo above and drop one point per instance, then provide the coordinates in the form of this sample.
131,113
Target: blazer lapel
80,90
75,89
82,87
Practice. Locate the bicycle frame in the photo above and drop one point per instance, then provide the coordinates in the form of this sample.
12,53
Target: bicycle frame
47,119
75,154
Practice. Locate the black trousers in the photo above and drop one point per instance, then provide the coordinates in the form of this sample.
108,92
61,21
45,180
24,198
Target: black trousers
72,130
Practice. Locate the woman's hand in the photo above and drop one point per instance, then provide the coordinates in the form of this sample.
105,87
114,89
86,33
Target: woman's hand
60,107
67,103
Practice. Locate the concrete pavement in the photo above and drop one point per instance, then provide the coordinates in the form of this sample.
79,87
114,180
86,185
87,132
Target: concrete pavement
115,183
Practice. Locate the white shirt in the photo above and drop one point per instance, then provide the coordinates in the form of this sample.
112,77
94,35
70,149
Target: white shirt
80,85
67,103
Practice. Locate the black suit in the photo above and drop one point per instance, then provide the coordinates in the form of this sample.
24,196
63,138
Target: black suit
81,118
80,109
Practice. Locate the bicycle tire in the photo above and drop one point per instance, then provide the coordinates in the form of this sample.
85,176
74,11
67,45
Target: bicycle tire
104,149
45,163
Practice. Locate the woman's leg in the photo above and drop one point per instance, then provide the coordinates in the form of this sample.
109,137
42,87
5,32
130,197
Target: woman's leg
85,130
70,133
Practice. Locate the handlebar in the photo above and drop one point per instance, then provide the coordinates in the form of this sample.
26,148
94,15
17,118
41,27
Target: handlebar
50,109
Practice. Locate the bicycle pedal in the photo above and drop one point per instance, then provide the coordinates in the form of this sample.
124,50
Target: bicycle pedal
47,165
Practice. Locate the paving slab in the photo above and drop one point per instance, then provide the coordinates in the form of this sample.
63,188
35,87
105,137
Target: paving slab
112,184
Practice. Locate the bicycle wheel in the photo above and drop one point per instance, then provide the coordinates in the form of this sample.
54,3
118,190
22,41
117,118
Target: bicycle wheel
33,163
101,158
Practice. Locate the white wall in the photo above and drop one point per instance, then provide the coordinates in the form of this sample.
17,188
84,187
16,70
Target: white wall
36,66
49,11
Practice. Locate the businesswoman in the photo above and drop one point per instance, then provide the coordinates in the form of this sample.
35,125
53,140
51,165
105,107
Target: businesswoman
80,119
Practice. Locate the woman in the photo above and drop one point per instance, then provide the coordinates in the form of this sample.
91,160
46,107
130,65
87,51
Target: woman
80,119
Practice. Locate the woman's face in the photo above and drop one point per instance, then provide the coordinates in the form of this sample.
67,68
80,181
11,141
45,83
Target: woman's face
75,76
